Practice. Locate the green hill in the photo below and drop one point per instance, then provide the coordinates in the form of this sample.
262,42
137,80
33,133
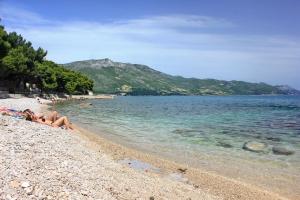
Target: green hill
134,79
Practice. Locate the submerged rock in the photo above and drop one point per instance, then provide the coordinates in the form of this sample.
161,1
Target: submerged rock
187,132
282,151
224,144
275,139
255,146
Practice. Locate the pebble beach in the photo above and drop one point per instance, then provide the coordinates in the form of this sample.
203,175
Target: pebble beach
42,162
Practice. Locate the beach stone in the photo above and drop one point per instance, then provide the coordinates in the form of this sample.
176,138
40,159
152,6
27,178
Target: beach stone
38,192
9,197
282,151
84,192
255,146
25,184
14,184
29,190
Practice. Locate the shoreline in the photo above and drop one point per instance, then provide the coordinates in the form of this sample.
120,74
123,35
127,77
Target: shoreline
221,186
194,182
42,162
209,180
265,171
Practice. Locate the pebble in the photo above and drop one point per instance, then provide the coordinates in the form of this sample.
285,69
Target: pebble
9,197
25,184
29,190
84,193
14,184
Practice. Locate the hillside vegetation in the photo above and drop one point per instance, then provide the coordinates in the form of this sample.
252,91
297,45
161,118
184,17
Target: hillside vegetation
133,79
20,63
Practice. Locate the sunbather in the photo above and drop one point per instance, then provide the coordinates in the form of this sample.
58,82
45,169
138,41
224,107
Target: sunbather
53,116
51,120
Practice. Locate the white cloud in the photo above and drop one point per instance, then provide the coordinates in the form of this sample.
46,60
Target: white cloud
177,21
189,45
20,17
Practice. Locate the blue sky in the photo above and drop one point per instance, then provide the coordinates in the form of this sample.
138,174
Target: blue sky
250,40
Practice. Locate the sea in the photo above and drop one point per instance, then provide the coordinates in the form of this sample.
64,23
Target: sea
208,132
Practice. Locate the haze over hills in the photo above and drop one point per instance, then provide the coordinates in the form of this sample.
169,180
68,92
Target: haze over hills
135,79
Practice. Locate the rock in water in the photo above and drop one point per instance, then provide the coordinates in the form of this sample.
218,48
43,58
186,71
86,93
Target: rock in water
255,146
275,139
282,151
224,144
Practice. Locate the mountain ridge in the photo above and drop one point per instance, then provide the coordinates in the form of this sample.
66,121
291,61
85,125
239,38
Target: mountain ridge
136,79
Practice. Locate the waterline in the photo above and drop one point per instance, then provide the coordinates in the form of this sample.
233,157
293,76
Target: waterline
206,132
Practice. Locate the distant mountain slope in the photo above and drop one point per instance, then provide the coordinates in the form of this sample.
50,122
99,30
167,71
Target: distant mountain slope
288,90
134,79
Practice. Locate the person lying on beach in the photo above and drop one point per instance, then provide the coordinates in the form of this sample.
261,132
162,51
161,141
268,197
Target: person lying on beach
51,120
53,116
22,114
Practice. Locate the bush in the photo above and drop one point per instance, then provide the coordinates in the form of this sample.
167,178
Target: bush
20,62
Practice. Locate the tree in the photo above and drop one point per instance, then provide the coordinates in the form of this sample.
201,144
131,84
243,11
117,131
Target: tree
4,44
20,62
46,76
15,63
15,40
40,54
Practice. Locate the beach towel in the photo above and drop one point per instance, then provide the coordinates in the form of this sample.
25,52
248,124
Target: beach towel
12,112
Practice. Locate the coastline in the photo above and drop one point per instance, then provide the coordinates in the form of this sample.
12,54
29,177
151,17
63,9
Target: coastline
193,184
42,162
220,186
211,180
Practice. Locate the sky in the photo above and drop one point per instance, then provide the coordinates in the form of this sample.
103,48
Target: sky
249,40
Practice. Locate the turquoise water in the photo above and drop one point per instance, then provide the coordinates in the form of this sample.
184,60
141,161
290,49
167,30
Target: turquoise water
206,131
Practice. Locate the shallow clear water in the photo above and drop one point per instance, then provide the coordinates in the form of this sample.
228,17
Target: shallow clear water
198,130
